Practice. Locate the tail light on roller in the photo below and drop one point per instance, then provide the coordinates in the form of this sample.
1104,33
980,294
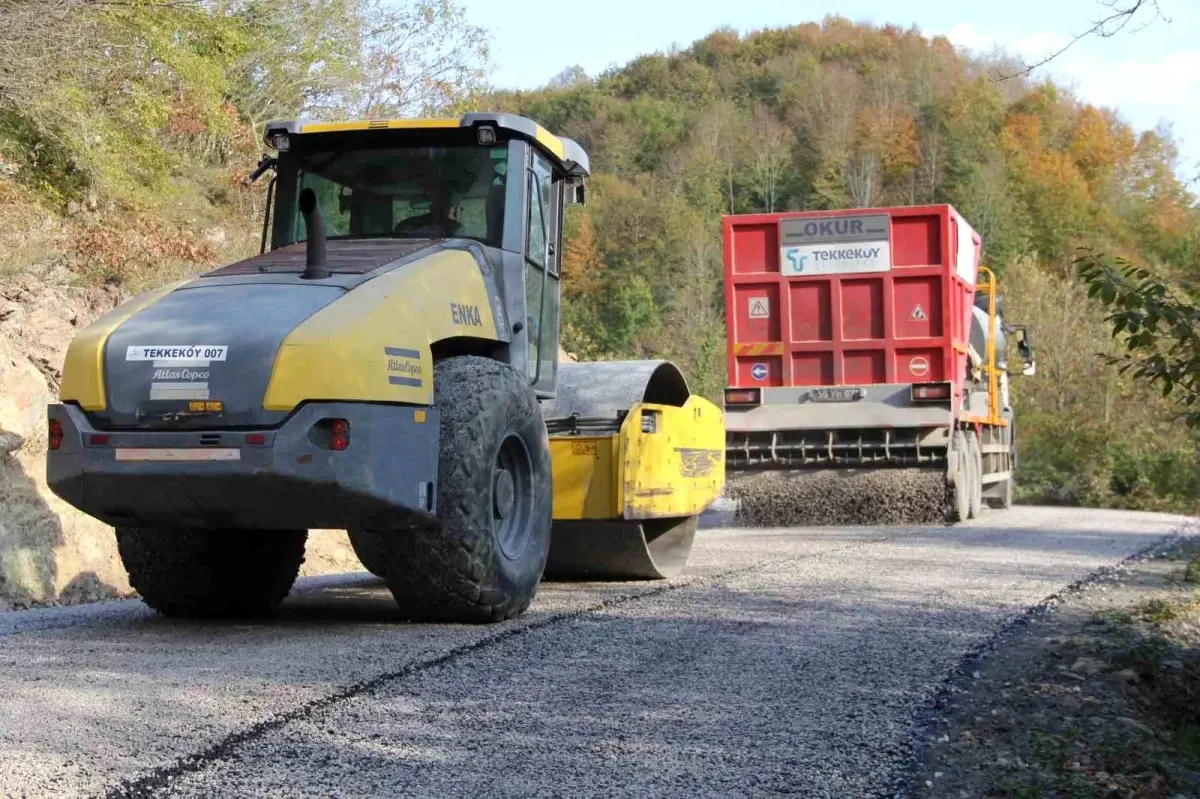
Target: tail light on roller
56,434
340,435
330,434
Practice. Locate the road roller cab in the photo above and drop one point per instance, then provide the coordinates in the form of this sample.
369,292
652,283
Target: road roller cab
388,365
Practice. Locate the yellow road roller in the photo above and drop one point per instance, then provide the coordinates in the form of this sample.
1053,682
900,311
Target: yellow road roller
387,365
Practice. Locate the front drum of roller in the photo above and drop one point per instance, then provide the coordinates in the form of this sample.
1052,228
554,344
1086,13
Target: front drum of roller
653,549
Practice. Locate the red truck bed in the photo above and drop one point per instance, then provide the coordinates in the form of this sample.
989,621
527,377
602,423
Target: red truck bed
848,335
856,297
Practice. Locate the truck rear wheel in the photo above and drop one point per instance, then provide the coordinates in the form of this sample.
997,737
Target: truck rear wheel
1006,496
960,478
482,560
211,573
975,458
1002,497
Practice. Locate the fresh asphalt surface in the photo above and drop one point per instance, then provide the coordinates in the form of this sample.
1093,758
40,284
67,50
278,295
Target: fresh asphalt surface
800,661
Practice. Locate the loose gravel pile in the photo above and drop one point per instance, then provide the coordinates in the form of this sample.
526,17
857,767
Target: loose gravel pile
788,498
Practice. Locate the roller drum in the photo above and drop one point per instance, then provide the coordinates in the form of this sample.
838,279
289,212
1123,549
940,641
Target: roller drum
604,389
592,400
655,549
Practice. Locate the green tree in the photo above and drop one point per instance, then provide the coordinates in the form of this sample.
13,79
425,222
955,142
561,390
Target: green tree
834,115
1157,321
303,56
87,90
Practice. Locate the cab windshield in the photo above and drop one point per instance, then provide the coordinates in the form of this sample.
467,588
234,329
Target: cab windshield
405,192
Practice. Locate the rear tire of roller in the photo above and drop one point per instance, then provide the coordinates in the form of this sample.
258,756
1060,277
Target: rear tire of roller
185,573
368,549
482,560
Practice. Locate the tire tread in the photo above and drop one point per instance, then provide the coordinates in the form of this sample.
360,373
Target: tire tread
211,573
450,570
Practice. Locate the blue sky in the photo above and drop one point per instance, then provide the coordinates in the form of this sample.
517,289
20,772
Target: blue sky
1149,73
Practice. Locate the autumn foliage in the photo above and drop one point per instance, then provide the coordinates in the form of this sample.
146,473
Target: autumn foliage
837,115
127,164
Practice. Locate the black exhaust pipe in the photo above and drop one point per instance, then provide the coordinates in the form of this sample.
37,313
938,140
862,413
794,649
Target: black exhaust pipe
314,264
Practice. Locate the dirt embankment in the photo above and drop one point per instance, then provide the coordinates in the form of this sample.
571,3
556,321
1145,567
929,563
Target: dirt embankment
48,552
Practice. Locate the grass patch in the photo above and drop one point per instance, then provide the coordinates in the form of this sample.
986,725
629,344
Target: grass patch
1121,618
1191,573
1158,610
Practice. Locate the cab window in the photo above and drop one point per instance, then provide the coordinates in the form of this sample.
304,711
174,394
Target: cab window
539,211
541,270
406,192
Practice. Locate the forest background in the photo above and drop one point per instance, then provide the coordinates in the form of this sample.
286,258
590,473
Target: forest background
127,128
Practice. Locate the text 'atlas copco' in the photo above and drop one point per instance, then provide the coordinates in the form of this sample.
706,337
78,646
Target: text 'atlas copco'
179,374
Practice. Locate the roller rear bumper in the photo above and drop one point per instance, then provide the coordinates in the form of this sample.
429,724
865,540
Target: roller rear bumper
216,478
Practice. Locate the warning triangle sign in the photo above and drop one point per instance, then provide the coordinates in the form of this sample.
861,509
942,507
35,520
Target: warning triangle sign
759,308
918,313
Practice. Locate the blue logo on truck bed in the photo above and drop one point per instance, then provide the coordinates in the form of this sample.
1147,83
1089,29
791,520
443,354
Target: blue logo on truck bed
759,371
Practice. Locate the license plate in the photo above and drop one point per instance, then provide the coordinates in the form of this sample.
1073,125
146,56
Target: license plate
182,454
835,394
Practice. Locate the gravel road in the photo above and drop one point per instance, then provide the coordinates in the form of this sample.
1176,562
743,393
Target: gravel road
800,661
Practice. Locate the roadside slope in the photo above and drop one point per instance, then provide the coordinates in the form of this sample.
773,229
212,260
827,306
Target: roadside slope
1095,697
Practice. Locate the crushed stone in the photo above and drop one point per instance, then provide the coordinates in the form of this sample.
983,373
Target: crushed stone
810,498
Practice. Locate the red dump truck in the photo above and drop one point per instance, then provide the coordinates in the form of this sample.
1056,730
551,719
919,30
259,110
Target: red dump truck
870,338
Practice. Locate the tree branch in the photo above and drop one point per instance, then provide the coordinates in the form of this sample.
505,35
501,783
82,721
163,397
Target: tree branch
1105,28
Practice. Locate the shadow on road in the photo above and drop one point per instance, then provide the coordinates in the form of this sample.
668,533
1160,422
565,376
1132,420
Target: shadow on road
348,598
